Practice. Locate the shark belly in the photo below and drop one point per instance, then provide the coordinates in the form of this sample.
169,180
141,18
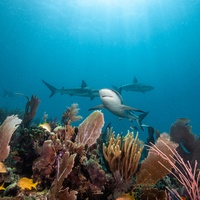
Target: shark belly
116,110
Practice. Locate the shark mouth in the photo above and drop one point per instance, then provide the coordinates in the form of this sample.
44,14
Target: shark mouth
107,96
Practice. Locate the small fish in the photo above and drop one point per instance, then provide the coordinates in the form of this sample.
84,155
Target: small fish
183,198
26,183
45,126
15,153
2,187
126,196
2,168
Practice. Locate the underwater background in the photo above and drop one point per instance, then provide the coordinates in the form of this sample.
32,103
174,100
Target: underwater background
104,43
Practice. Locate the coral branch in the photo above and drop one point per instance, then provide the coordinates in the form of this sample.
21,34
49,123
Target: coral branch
7,129
123,154
64,169
71,114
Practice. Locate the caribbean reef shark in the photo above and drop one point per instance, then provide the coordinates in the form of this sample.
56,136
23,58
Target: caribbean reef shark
83,90
135,86
13,94
112,101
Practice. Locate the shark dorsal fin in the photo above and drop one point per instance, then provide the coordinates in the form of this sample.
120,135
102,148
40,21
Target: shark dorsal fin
135,80
83,84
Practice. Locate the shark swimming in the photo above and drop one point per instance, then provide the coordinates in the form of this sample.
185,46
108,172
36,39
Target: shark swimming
13,94
135,86
83,90
112,101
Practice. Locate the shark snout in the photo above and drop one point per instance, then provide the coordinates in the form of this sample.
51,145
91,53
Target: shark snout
106,93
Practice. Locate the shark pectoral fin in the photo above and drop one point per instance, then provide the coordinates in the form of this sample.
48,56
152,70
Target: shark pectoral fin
136,110
124,107
131,108
97,107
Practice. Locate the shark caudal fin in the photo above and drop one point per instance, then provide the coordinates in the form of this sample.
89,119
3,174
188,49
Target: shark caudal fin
52,88
140,118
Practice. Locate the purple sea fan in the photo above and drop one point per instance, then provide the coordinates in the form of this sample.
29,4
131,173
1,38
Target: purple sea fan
8,127
90,129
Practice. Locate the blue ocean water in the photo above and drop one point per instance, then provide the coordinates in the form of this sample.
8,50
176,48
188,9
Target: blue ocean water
105,43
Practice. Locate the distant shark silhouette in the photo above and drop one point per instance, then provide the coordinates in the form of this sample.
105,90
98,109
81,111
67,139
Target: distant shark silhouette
83,90
13,94
135,86
112,101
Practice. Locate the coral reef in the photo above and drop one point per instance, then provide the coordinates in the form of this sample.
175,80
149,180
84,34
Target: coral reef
184,173
24,149
61,161
60,142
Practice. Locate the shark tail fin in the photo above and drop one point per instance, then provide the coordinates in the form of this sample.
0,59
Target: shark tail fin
140,118
52,88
